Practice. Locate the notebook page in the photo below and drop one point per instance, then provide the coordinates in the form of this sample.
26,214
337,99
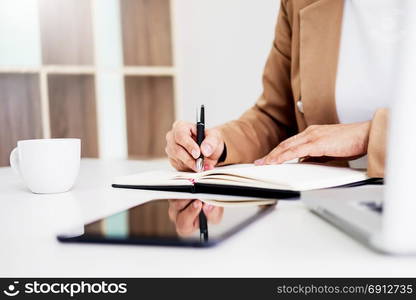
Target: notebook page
294,176
218,170
239,203
164,178
153,178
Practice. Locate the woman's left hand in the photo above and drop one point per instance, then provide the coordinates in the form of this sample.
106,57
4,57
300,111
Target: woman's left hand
339,140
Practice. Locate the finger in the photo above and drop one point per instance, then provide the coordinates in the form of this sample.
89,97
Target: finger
180,204
294,141
213,213
269,159
174,163
175,206
193,130
170,142
172,212
182,124
209,164
183,167
178,165
211,143
183,137
304,150
179,154
186,219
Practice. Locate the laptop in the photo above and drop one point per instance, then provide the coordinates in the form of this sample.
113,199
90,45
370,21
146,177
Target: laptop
384,217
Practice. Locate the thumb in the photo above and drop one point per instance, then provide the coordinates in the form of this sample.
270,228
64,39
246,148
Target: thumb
211,143
186,219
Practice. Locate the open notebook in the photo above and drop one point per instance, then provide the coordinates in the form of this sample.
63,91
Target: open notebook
240,202
271,181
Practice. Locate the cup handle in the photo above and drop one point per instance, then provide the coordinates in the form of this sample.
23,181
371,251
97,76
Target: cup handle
14,161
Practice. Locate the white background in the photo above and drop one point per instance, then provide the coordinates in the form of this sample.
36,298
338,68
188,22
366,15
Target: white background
222,47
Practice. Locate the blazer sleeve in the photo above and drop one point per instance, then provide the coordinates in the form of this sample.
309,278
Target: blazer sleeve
377,144
272,118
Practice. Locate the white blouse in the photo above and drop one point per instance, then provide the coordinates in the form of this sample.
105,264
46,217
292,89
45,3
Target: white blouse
367,63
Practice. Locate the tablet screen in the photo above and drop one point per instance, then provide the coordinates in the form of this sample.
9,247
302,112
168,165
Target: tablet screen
173,222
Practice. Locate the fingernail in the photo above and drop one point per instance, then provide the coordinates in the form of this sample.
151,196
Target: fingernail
207,167
197,204
208,207
207,150
259,162
195,153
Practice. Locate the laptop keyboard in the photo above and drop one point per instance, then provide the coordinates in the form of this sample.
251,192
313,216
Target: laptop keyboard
374,206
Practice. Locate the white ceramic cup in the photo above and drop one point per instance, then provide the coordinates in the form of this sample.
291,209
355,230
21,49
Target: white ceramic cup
47,165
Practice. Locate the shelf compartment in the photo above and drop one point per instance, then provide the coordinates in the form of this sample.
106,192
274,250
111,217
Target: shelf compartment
146,32
20,111
66,32
149,113
72,110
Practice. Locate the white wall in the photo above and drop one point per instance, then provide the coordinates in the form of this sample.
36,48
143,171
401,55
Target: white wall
221,49
111,111
19,32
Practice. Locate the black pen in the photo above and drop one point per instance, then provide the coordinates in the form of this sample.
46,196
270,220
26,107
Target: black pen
200,136
203,226
203,223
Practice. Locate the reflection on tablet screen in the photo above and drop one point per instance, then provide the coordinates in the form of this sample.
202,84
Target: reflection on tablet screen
170,222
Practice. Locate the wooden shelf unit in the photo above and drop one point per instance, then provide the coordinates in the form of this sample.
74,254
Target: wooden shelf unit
150,42
149,112
72,110
66,32
20,113
59,97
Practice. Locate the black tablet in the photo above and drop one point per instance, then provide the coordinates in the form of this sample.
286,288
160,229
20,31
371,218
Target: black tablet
171,222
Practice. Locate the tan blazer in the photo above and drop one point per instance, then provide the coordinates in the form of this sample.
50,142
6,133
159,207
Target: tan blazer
299,86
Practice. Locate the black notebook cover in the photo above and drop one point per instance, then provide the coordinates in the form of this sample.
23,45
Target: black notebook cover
233,190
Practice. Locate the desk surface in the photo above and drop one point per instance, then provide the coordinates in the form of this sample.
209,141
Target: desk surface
289,242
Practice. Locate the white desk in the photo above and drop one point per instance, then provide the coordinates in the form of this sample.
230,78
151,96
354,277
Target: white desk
289,242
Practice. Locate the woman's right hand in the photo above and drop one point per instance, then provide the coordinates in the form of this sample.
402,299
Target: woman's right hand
184,213
183,151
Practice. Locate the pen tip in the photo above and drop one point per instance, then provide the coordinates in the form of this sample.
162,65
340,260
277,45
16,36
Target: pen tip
199,165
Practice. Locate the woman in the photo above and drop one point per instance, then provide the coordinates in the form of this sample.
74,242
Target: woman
327,83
